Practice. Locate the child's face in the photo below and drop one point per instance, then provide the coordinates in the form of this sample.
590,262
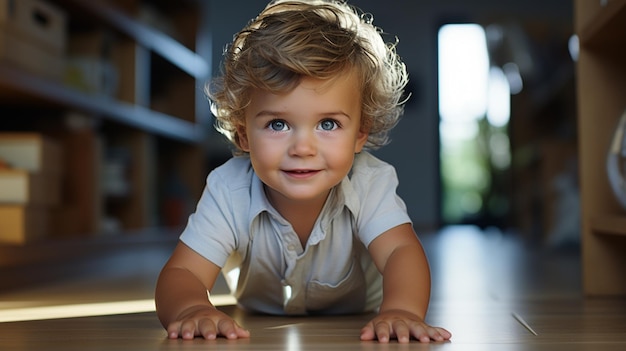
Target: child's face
302,143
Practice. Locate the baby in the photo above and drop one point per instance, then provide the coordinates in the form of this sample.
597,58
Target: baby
307,217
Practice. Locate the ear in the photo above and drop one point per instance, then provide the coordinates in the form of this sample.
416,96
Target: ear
241,138
360,141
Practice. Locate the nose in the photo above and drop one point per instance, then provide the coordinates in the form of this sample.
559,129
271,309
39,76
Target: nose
303,144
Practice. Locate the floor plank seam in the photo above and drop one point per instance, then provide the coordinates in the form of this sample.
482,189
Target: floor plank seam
521,321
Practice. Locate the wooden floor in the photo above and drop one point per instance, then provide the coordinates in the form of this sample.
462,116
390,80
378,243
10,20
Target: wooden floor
490,290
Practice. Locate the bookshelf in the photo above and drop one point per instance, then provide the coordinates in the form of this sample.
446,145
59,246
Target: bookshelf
601,74
143,118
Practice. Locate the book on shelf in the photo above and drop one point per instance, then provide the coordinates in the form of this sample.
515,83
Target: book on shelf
22,187
21,224
31,152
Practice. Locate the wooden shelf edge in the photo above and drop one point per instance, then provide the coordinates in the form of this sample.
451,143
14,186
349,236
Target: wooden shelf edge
57,259
613,13
170,49
609,225
137,116
53,249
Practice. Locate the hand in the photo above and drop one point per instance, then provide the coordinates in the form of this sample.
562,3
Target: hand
207,322
402,325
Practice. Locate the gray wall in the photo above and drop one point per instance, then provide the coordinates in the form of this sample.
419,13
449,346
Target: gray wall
414,147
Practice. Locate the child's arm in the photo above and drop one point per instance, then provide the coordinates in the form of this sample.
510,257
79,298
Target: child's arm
181,298
400,257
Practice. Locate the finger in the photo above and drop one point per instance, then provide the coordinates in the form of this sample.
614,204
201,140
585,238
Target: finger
434,334
421,332
367,332
439,334
401,330
188,329
207,329
241,332
173,330
444,333
382,332
227,328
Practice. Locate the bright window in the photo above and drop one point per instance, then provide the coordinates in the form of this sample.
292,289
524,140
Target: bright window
474,110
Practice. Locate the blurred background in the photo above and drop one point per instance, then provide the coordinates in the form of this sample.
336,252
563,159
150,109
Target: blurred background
106,137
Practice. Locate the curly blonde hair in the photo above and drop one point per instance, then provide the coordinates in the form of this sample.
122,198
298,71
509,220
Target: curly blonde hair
292,39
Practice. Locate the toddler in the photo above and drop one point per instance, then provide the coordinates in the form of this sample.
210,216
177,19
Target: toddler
303,220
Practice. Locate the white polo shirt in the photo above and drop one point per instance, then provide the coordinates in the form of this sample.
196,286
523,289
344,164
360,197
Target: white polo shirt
236,227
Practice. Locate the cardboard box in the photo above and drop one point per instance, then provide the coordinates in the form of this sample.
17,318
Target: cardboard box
30,57
26,188
21,225
31,152
36,21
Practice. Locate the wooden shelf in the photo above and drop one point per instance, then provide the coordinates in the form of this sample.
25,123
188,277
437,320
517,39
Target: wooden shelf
609,225
145,128
61,249
54,260
605,28
151,39
14,81
601,80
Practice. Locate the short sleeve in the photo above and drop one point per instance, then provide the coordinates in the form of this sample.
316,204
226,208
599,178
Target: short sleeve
212,230
381,208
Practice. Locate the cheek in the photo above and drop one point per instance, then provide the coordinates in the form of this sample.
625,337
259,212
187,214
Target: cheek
261,145
353,143
340,155
264,152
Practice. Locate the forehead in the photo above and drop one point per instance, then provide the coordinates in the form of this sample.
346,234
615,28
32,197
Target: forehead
341,93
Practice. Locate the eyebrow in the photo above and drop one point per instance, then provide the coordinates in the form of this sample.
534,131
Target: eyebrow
281,113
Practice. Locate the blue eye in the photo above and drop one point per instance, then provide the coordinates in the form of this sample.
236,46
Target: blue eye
328,124
278,125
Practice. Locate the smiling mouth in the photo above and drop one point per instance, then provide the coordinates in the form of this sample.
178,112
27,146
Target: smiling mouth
301,172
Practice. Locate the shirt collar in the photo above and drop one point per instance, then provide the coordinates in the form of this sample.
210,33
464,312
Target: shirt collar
349,195
258,200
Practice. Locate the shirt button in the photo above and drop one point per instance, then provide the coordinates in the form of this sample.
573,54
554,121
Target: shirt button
291,247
